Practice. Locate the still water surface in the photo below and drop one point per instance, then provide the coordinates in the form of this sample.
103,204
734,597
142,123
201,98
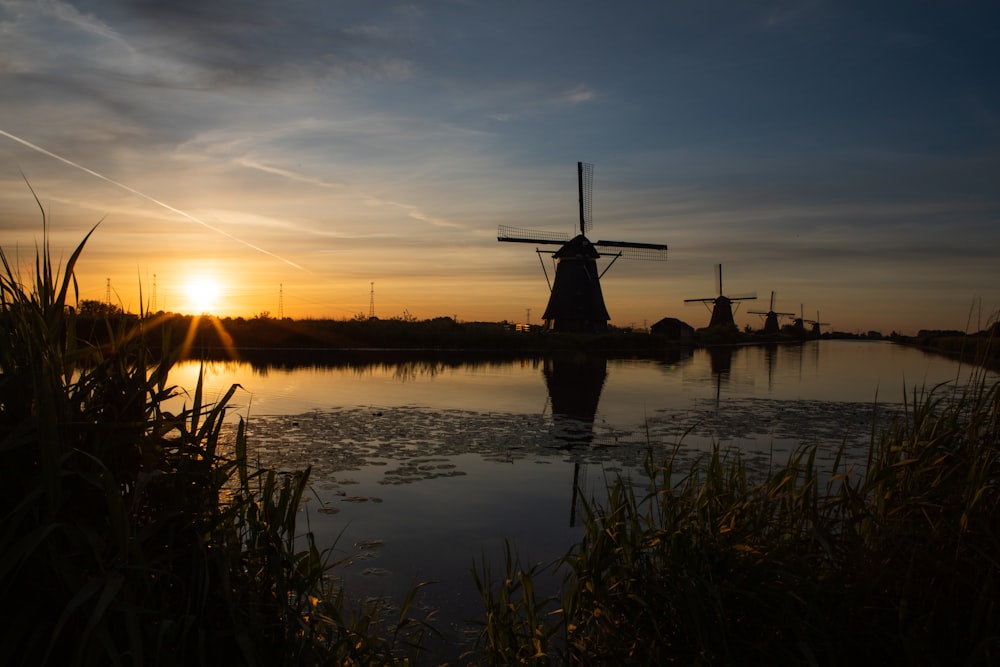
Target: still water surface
421,468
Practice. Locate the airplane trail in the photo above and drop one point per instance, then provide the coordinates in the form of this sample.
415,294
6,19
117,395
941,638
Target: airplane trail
34,147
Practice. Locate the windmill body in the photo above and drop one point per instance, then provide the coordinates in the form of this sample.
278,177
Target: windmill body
722,306
576,302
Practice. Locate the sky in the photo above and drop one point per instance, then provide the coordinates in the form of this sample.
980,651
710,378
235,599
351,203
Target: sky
327,158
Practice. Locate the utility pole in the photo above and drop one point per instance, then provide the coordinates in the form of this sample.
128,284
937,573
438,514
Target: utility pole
107,292
281,301
527,315
371,303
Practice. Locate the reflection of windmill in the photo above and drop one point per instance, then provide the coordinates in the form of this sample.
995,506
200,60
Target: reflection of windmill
576,302
722,306
816,324
721,361
575,384
771,359
771,318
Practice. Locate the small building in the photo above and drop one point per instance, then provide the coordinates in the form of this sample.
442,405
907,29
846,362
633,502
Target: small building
674,329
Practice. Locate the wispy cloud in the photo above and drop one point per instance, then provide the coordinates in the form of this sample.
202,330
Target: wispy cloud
153,200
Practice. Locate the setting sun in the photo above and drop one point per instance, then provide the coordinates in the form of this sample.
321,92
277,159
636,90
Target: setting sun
203,294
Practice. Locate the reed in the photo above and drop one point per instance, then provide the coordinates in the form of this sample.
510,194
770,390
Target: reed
894,561
135,535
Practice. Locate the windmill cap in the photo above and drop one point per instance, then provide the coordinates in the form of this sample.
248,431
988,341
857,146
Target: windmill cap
578,246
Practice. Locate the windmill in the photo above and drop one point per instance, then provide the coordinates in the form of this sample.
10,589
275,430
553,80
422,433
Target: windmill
816,324
771,318
576,302
722,306
799,326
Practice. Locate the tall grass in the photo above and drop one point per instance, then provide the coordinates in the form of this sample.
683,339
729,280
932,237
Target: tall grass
895,561
132,535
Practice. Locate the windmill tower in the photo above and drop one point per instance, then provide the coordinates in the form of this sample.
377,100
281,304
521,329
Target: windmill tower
771,318
816,324
576,302
722,306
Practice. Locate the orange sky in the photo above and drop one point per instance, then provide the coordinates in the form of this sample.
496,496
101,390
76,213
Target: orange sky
844,160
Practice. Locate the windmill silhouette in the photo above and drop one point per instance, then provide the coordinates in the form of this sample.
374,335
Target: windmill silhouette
771,318
799,325
576,302
816,324
722,306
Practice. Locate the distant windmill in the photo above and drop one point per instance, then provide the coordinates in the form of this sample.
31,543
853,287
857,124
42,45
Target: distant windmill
771,318
799,326
816,324
722,306
576,302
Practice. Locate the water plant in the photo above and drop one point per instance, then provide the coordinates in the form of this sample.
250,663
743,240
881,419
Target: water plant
130,534
890,561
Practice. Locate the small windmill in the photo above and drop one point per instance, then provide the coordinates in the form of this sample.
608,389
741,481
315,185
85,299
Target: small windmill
576,302
771,318
799,326
816,324
722,306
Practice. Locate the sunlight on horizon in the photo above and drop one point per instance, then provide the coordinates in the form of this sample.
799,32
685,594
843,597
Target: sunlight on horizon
203,294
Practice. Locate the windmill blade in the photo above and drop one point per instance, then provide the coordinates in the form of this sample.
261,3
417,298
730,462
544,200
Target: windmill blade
517,235
649,252
705,300
585,186
718,279
749,296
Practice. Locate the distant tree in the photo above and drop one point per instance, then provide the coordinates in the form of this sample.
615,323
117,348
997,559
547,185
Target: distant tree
97,309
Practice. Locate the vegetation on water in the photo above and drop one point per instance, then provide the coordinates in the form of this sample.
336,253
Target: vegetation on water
135,535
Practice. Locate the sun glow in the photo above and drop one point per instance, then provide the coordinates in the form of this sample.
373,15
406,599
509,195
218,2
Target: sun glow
203,293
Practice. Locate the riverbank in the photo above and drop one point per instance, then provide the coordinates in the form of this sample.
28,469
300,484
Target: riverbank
210,337
981,348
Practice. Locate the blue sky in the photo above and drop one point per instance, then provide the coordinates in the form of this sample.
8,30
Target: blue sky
843,155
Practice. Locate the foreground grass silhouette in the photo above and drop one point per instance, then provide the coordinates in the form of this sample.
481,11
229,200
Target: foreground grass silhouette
132,535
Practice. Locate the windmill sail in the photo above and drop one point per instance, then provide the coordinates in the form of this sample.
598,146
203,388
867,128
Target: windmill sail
576,302
518,235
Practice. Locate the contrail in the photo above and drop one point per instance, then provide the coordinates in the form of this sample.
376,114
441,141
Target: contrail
34,147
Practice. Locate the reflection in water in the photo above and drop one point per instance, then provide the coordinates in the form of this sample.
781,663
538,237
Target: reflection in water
441,458
721,360
771,362
575,383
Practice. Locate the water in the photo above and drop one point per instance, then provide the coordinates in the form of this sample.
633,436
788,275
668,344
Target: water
421,468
